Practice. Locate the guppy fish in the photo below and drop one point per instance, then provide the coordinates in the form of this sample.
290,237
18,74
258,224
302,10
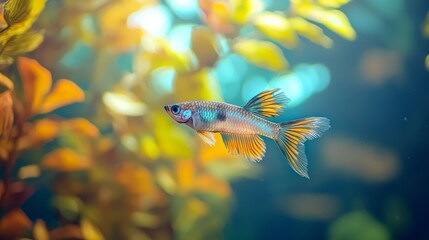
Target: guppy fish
240,127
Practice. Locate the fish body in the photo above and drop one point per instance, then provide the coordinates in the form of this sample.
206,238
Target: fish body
227,118
241,127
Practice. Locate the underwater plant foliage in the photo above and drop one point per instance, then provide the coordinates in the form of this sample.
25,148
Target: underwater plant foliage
88,152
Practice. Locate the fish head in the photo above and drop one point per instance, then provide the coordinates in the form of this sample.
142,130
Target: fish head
180,112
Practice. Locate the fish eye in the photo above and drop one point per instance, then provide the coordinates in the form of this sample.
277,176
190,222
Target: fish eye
175,109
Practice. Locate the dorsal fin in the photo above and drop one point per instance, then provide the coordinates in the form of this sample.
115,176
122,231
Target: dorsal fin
250,146
268,103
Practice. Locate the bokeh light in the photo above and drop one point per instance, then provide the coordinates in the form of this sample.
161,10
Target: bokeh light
156,20
180,37
185,9
302,82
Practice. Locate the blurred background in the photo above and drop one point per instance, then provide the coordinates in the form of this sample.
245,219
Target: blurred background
87,151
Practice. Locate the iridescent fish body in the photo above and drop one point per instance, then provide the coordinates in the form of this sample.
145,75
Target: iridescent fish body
241,127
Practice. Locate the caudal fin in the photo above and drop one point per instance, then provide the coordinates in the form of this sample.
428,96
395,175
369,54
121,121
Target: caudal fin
292,136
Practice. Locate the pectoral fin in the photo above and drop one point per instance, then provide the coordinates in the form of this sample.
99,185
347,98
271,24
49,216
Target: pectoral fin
207,137
250,146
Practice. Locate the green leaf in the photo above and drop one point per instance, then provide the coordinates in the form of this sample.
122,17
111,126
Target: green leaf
277,27
22,43
261,53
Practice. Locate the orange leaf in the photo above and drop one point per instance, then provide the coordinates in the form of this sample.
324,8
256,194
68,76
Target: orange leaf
6,113
40,132
90,231
40,232
81,126
65,159
207,183
45,130
13,224
36,82
136,179
5,81
185,175
64,93
69,231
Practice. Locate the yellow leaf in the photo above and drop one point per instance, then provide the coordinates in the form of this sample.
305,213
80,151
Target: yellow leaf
6,113
13,224
5,60
166,181
124,103
20,15
29,171
65,159
112,22
89,231
5,81
261,53
204,45
310,31
65,92
244,9
146,220
173,140
277,27
81,126
204,86
40,232
333,3
36,82
22,12
148,147
335,20
22,43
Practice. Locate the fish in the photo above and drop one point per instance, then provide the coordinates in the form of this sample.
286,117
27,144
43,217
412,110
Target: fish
241,128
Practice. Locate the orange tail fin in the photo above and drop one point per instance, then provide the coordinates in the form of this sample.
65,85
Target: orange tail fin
292,136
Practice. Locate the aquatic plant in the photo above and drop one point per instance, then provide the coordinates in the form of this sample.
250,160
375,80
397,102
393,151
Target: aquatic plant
115,165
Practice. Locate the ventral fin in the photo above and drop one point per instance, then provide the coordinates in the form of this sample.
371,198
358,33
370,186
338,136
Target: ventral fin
207,137
250,146
269,103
